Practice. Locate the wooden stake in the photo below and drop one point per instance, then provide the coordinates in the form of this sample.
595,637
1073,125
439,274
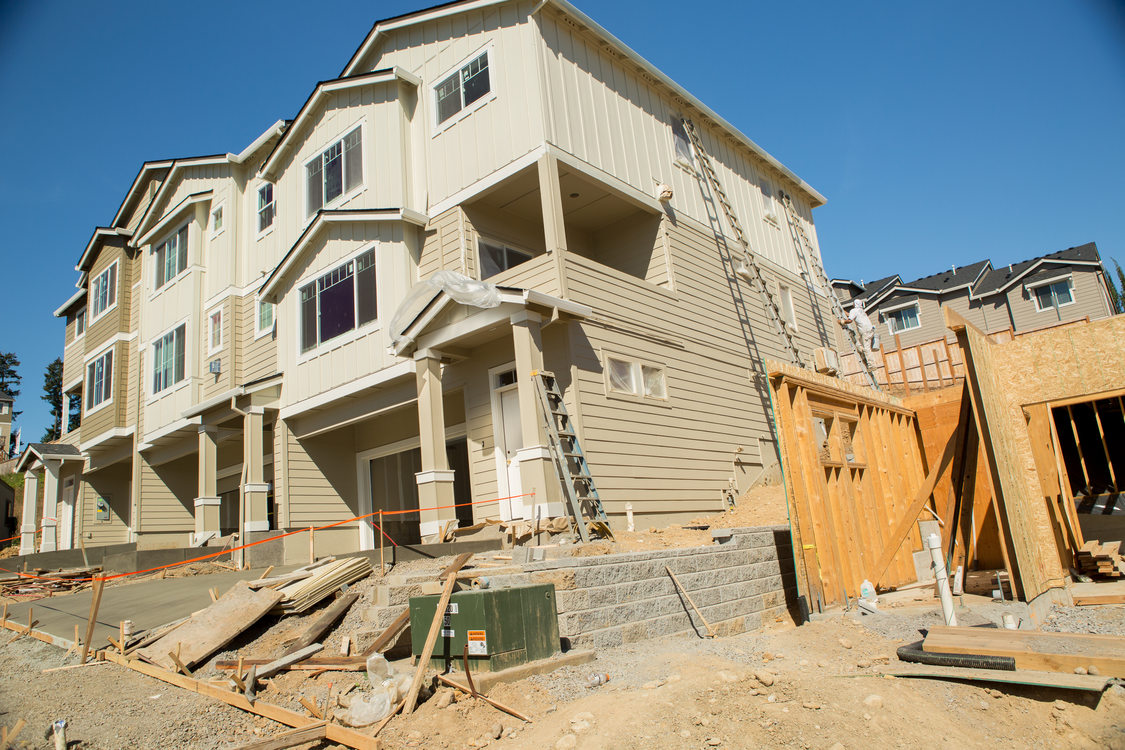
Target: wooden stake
382,565
435,628
680,586
95,602
386,721
266,573
496,704
312,707
121,634
312,546
179,664
5,618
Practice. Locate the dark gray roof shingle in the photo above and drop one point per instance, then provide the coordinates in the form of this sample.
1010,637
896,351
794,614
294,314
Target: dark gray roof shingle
999,278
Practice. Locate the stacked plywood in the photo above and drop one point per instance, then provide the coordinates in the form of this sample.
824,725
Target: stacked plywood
1099,560
300,595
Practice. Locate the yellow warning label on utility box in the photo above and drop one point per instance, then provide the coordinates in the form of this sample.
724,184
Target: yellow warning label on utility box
477,641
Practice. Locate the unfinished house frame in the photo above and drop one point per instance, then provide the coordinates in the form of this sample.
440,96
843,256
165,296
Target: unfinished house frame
236,351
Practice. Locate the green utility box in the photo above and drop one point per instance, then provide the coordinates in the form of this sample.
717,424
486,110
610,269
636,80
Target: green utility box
502,627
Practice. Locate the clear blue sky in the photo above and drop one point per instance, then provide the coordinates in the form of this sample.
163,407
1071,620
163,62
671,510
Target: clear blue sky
941,133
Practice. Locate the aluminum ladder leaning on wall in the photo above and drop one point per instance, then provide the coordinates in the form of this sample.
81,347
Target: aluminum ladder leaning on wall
570,461
812,258
749,271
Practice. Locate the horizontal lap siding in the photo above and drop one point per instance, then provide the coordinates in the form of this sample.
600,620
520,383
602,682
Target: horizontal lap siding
213,385
441,247
494,134
603,111
115,488
316,473
258,357
166,498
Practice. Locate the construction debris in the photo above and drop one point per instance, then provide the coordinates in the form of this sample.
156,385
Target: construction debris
301,595
44,582
1098,560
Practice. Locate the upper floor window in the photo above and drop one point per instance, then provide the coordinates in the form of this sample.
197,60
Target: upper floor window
336,171
636,378
788,311
903,319
103,291
267,209
495,257
3,408
215,335
339,301
99,380
769,210
80,322
465,86
168,359
681,144
1055,294
265,318
170,257
217,220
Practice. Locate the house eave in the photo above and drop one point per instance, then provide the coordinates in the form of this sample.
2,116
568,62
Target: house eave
174,214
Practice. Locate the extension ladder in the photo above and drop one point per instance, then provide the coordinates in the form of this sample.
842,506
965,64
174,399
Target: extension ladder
757,279
570,461
812,258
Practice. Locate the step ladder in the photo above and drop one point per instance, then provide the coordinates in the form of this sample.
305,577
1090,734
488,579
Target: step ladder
749,270
570,461
810,258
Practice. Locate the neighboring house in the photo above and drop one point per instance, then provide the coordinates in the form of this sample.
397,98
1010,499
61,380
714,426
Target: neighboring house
6,405
239,353
1056,288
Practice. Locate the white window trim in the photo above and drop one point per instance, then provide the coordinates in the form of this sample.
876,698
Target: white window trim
153,397
86,324
770,217
440,127
212,348
785,291
91,319
344,338
886,312
1068,278
260,332
260,233
339,200
637,363
221,206
86,386
152,261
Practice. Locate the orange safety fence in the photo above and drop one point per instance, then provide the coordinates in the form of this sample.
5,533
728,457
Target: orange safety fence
230,550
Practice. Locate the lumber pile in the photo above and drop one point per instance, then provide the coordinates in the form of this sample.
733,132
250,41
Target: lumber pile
44,582
304,593
986,582
1034,649
1099,560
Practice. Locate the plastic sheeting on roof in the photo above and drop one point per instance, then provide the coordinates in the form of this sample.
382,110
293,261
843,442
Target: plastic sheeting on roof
459,287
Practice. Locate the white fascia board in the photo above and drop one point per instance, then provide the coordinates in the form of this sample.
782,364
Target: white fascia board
99,234
174,214
322,90
383,27
322,220
137,181
277,129
211,403
151,439
70,303
542,299
177,166
116,432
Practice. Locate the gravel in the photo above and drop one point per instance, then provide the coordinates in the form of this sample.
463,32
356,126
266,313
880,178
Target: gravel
1107,619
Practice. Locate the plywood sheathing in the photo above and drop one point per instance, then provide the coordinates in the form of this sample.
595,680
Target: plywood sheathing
1007,380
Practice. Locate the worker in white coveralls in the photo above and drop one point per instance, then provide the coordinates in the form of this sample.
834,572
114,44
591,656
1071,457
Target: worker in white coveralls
864,327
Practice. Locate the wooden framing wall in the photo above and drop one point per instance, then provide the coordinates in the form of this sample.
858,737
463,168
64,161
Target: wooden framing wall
853,461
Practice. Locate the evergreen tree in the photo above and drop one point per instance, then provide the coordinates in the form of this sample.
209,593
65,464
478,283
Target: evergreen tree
53,395
10,377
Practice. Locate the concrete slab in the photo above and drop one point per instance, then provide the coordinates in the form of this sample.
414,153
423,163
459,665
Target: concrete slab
485,681
148,604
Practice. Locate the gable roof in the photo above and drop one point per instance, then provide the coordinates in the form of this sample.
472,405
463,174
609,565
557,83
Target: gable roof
66,307
133,192
101,234
420,16
47,452
4,396
1001,278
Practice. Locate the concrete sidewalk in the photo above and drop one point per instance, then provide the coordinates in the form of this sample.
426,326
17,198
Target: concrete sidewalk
148,604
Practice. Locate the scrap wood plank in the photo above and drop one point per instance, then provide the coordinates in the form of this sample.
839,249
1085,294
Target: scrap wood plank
435,628
334,732
262,583
326,620
277,665
315,731
1089,682
331,662
212,628
1107,592
1033,649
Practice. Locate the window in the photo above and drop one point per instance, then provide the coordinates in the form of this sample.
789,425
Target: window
80,322
495,258
99,380
464,87
636,378
267,209
168,359
338,170
103,291
1055,294
681,144
170,257
768,209
217,220
339,301
788,312
903,319
215,337
265,317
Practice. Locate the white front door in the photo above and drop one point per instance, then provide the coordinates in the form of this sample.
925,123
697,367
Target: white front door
509,440
66,515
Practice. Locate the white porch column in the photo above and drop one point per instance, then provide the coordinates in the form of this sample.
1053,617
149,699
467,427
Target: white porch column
537,474
255,491
27,522
435,480
49,543
207,489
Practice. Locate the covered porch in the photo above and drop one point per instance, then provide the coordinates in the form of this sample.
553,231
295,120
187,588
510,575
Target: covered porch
61,467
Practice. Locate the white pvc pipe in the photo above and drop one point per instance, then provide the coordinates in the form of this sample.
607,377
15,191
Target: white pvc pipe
933,543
